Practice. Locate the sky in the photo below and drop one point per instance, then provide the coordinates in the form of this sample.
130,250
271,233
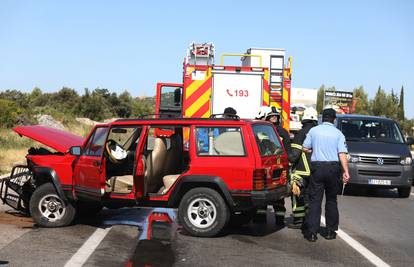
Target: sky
132,45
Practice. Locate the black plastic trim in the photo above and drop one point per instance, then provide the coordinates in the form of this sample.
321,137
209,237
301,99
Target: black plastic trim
54,178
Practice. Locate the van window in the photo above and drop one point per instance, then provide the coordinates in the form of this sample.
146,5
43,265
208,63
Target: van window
371,130
267,140
219,141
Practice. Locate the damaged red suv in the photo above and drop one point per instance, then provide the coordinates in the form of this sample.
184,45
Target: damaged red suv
212,170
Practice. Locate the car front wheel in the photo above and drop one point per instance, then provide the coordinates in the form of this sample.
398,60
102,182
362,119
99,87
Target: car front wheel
48,209
203,212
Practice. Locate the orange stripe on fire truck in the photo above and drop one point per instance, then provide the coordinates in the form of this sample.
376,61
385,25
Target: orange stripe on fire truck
189,112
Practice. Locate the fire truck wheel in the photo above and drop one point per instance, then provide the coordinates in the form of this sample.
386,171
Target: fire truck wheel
203,212
48,209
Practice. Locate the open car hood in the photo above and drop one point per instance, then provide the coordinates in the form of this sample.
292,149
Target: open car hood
54,138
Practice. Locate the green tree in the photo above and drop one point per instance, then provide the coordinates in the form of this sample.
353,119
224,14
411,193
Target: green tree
379,103
401,115
320,98
9,113
361,101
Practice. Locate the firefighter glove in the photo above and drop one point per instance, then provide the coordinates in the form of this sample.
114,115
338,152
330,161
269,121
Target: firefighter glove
295,189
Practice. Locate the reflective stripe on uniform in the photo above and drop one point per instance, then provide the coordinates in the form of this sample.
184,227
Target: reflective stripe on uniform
296,146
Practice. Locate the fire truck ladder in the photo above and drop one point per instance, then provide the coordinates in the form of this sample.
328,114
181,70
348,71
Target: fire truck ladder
276,79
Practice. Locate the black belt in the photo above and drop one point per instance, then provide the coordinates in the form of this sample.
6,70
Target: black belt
325,162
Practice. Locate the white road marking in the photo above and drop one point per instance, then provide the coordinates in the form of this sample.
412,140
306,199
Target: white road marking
86,250
412,194
374,259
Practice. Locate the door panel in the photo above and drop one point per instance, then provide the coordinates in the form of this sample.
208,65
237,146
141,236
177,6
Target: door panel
89,169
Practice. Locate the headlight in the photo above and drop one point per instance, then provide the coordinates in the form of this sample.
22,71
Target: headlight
352,158
406,161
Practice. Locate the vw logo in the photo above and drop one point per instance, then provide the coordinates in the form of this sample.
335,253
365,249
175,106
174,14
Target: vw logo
380,161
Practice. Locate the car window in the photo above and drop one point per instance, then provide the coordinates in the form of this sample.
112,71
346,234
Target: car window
267,140
371,130
219,141
96,142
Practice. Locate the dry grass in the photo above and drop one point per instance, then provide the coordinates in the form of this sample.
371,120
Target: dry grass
13,148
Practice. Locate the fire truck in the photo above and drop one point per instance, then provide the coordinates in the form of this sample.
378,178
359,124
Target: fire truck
262,79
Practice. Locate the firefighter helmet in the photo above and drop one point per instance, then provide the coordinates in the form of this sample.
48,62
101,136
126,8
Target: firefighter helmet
272,111
263,111
310,114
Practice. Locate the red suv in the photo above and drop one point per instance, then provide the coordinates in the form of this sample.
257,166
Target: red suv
212,170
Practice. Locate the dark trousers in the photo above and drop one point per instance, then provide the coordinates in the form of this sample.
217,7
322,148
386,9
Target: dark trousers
325,177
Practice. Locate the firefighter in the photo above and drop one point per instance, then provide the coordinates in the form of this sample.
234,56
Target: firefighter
273,116
300,174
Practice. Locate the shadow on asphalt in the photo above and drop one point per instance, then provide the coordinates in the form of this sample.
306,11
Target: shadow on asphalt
370,192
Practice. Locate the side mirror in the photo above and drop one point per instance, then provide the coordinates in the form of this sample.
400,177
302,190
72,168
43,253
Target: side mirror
75,151
410,141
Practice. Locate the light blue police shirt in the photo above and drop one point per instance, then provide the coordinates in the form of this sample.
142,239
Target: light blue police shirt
326,141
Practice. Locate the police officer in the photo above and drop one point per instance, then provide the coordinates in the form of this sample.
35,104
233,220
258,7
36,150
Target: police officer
273,116
301,169
328,148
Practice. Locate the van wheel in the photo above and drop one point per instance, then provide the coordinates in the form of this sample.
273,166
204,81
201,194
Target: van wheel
203,212
404,192
48,209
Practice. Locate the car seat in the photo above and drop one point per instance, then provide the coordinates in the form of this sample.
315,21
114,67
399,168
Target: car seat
229,143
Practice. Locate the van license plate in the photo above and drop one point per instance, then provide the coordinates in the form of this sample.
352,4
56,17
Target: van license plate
379,182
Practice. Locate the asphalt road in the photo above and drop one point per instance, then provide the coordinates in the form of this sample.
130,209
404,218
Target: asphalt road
380,221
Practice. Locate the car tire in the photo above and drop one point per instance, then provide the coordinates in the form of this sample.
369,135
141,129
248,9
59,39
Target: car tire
203,212
404,192
48,209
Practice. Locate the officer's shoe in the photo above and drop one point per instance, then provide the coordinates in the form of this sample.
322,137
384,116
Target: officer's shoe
331,234
311,237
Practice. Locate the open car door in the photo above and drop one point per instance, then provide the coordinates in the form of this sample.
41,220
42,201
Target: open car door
89,169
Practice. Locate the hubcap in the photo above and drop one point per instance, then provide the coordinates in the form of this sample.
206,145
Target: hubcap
52,207
202,212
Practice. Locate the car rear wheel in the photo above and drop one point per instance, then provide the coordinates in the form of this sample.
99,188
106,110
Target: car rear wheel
203,212
48,209
404,192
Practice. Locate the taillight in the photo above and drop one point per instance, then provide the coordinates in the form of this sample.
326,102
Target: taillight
259,179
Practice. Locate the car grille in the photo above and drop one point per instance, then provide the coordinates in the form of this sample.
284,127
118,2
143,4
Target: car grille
373,160
379,173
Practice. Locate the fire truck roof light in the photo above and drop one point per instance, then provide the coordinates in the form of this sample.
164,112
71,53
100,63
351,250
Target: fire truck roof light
257,69
218,68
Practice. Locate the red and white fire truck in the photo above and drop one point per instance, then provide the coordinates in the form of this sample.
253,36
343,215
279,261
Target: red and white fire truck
262,79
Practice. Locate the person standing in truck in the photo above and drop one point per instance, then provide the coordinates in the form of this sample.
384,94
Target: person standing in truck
328,147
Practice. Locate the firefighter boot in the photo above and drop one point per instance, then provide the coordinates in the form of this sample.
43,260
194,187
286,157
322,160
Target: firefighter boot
280,210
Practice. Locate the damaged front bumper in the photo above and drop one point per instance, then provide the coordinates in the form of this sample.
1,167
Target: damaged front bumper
15,190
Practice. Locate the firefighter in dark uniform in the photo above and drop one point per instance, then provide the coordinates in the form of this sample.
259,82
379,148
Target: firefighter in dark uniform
328,147
300,161
273,116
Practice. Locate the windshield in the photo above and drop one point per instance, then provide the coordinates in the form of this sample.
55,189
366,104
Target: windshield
371,130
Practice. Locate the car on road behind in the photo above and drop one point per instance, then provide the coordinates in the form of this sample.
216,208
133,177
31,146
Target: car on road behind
379,155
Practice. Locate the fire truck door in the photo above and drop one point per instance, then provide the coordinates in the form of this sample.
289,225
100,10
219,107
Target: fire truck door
169,102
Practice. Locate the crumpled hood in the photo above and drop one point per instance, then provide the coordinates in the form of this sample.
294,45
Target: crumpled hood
54,138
